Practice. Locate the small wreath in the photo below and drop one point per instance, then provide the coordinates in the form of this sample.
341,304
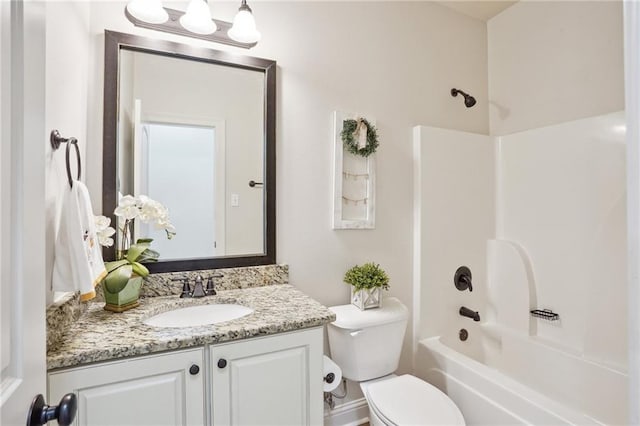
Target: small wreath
349,127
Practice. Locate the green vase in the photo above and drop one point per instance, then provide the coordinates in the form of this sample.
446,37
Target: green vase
125,299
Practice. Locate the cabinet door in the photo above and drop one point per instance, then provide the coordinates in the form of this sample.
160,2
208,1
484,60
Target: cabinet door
273,380
151,390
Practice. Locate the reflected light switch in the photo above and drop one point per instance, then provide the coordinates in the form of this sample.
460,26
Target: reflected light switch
235,200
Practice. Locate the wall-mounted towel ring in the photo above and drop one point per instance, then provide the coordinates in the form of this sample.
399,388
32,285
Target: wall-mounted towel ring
56,139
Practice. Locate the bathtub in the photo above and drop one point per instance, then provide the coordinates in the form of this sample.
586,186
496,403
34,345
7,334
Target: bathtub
497,378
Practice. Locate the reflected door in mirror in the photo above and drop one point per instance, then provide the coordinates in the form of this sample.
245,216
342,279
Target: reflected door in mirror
191,127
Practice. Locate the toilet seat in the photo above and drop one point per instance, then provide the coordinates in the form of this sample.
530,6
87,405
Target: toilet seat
407,400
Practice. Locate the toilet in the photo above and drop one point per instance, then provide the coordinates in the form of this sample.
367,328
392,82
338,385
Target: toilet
366,345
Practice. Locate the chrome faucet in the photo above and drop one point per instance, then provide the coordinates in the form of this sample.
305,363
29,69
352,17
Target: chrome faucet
466,312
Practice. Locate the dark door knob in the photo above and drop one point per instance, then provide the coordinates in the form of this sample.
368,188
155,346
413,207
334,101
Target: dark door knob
40,413
222,363
194,369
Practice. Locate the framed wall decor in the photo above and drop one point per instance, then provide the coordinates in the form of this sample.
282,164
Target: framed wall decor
355,142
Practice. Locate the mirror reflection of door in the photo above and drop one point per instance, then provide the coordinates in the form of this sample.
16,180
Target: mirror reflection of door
202,127
171,155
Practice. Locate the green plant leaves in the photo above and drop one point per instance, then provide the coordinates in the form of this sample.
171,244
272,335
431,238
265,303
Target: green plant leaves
119,272
148,256
118,278
367,276
112,266
135,250
140,269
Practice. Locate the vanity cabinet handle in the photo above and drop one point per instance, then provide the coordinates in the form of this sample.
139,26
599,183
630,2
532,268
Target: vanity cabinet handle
222,363
194,369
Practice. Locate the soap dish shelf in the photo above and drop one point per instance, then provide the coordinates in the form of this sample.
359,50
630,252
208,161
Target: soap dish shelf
545,314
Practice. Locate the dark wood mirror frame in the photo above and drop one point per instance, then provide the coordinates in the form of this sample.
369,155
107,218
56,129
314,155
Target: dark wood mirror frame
114,41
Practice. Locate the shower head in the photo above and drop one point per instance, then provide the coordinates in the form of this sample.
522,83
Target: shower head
469,100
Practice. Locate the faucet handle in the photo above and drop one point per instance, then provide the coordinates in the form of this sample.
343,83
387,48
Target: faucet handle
211,290
462,279
186,288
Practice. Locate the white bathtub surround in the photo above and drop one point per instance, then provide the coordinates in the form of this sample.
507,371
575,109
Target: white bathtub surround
562,197
508,263
559,243
454,214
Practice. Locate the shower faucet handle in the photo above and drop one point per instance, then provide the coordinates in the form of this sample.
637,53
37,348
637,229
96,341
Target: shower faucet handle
462,279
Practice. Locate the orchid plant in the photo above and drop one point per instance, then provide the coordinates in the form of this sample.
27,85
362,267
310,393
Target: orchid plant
130,257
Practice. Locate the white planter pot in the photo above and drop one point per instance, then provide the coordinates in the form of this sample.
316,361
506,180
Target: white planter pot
367,298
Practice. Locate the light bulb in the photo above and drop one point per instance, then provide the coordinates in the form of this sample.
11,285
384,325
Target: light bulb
150,11
244,26
197,19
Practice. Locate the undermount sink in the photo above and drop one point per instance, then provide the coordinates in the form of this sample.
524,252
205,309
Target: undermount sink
198,315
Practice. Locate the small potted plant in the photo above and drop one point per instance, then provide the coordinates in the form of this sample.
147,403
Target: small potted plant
124,277
367,282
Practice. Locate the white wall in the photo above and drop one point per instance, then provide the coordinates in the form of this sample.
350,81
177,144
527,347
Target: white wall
67,53
554,61
386,59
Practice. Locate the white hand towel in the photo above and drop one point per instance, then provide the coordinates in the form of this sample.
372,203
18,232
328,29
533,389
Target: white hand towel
78,264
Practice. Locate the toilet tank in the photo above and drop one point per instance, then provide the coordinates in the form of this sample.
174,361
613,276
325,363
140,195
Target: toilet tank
367,344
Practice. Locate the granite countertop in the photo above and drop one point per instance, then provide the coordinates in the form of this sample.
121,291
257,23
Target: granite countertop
99,335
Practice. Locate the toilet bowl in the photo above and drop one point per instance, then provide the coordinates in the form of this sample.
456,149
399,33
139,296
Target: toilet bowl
366,345
406,400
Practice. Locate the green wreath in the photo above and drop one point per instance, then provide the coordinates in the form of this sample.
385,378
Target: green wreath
349,127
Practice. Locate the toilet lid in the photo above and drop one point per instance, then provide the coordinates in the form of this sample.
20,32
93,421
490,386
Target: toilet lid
407,400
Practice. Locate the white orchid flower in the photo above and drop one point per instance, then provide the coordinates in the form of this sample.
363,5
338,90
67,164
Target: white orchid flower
106,242
141,200
148,212
102,222
104,231
127,208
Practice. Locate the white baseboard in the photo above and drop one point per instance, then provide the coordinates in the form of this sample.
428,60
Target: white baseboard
350,413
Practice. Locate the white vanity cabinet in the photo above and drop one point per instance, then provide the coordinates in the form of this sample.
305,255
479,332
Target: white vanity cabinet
272,380
162,389
275,380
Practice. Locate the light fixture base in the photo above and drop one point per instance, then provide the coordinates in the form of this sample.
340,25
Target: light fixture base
173,26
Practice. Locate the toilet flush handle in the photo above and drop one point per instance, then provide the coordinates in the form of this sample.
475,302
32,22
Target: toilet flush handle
356,332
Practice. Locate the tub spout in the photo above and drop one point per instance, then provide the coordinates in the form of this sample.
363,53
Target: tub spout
466,312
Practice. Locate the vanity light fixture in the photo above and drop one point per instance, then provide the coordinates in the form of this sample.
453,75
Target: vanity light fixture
196,22
197,19
150,11
244,25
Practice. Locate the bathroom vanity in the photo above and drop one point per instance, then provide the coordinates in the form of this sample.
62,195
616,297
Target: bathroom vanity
263,368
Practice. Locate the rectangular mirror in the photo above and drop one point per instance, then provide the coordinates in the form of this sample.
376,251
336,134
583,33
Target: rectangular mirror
194,129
